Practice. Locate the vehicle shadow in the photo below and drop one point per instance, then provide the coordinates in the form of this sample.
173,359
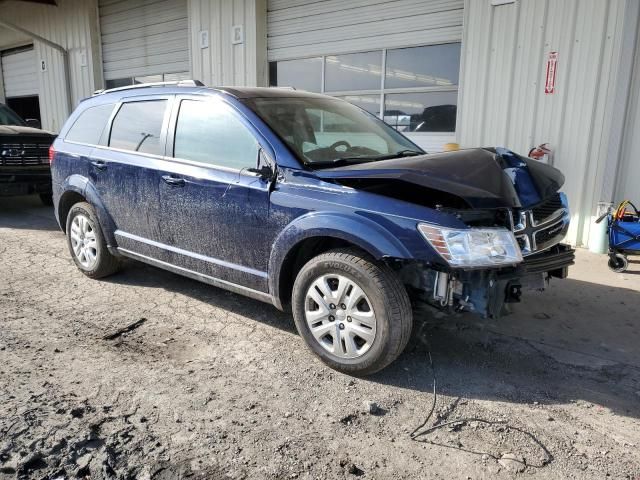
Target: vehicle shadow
143,275
26,213
577,340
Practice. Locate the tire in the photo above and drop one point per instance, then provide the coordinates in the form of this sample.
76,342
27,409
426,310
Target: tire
96,261
382,297
618,263
46,199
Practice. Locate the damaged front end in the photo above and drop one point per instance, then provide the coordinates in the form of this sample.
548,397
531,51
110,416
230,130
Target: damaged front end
514,219
489,289
487,292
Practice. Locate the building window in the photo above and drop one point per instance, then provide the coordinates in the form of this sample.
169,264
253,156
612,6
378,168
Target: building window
413,89
356,71
305,74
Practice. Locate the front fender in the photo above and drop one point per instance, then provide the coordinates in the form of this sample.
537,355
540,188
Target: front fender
84,187
360,231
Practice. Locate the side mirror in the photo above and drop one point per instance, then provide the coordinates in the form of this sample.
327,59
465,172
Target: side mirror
33,122
265,172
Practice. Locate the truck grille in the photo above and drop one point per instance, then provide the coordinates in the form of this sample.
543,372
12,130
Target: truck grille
24,154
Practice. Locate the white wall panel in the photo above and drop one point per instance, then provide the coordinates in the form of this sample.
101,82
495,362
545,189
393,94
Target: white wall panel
19,73
502,100
72,24
223,62
629,173
298,28
144,37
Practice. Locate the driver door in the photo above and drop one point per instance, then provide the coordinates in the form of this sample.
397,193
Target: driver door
214,212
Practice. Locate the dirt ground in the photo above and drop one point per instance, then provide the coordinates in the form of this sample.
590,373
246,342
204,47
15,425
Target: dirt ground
208,384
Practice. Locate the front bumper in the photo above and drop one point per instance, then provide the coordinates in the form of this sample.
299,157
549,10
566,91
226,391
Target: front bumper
488,292
14,182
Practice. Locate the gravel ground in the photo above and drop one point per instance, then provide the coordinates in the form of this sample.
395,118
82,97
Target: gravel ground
148,375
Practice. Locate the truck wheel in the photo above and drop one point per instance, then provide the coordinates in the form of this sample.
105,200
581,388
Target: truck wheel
86,243
618,263
353,312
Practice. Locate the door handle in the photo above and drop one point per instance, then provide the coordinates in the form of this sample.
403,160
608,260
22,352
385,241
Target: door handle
99,164
173,181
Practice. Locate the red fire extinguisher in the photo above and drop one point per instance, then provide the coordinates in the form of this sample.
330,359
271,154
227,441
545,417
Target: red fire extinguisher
542,153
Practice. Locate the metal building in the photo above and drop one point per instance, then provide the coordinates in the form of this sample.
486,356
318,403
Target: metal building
514,73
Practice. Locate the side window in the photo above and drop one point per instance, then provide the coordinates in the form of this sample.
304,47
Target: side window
138,125
211,133
89,125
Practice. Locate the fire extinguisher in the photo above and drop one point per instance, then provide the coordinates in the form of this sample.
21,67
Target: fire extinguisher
542,153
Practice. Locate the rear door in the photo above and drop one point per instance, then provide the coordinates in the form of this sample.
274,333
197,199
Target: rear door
126,169
214,211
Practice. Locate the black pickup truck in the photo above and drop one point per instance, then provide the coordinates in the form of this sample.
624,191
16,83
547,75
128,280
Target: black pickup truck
24,157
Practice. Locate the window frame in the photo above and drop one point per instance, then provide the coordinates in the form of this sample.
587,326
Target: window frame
383,90
173,125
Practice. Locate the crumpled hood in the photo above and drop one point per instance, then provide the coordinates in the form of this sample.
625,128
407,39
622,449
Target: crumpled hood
482,177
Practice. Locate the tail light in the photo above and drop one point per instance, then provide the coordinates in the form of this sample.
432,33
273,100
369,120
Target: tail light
52,152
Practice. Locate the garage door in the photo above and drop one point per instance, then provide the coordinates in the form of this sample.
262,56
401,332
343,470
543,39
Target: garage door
297,28
19,73
399,60
145,39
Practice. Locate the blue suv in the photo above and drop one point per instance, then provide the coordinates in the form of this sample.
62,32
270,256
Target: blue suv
306,202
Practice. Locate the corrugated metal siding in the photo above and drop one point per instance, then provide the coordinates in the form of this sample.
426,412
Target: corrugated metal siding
19,73
222,62
629,173
502,100
72,24
304,28
144,37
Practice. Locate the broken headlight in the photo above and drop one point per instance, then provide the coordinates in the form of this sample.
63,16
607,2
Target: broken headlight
473,247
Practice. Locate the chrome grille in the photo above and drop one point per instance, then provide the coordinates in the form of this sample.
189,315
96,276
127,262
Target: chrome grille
24,154
548,209
542,226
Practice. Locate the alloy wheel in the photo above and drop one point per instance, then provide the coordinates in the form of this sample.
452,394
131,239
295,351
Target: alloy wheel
83,241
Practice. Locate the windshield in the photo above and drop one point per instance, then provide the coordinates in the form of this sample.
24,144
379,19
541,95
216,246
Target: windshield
326,132
9,117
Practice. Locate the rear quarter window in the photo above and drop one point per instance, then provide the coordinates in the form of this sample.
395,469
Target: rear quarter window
138,127
90,124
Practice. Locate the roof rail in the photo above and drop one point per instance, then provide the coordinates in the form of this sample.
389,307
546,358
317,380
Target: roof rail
178,83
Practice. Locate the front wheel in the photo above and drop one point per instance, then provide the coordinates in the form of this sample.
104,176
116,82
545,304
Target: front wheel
353,312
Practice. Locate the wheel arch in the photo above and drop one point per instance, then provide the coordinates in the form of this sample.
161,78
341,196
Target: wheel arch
77,188
315,234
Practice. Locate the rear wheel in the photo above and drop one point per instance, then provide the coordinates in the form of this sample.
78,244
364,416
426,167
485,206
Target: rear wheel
618,262
86,243
353,312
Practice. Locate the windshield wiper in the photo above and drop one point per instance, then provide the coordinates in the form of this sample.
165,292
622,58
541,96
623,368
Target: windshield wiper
341,161
401,153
